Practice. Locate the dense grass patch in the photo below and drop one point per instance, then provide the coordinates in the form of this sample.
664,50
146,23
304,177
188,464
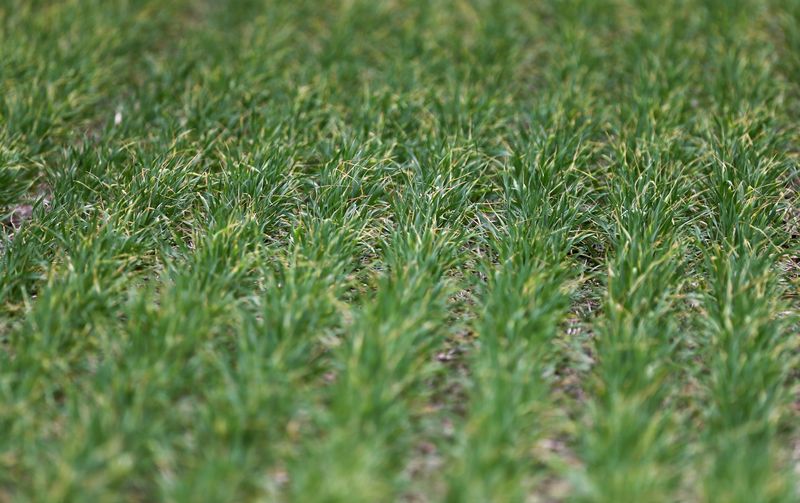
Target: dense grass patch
448,250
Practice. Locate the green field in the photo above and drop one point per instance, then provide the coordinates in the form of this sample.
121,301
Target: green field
385,250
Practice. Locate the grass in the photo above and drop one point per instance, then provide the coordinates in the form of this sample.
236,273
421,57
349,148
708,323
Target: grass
449,250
